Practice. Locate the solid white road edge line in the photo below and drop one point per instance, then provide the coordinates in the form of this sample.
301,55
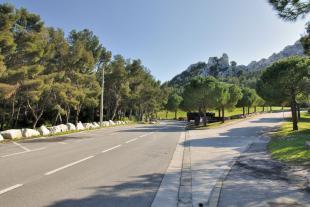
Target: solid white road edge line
10,188
112,148
69,165
18,153
167,193
21,146
132,140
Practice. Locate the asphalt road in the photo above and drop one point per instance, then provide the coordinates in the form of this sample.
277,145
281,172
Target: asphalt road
121,166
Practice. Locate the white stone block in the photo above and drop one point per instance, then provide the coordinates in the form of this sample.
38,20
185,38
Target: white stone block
12,134
71,126
44,131
63,127
88,126
111,123
79,126
54,129
30,133
96,125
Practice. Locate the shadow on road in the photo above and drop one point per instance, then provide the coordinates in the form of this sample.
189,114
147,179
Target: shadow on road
168,126
232,137
267,120
257,180
137,193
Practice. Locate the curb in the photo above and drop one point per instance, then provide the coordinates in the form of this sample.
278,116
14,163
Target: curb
185,188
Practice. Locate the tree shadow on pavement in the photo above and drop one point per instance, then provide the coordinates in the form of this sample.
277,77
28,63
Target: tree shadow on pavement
177,127
257,180
267,120
137,193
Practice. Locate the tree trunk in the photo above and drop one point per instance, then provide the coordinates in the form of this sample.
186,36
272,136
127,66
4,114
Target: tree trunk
166,114
219,112
204,119
175,114
294,111
35,123
78,110
68,115
130,114
270,108
298,110
223,115
11,118
17,118
37,118
2,122
60,118
263,108
243,110
114,112
294,117
254,109
248,110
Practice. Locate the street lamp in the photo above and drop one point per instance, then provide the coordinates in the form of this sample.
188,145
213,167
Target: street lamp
101,98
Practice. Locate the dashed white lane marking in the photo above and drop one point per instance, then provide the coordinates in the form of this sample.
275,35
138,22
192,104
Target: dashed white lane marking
21,146
144,135
18,153
112,148
69,165
10,188
132,140
62,143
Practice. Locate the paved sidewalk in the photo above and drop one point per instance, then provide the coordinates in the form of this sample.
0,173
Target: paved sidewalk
204,156
213,150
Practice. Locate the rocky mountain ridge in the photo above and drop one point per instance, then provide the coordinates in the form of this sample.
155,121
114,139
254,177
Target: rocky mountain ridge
222,67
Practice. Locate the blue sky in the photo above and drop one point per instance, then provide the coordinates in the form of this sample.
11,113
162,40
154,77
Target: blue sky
169,35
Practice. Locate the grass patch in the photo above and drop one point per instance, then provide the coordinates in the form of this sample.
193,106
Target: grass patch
289,146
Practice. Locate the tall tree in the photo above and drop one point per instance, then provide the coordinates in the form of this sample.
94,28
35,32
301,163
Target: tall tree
248,99
117,85
200,94
173,104
287,78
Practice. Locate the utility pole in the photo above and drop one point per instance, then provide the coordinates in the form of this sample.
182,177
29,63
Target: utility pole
101,98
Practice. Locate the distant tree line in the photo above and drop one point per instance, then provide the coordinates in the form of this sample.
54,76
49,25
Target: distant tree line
46,77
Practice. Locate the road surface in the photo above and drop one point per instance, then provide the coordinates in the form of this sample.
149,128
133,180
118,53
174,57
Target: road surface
121,166
124,166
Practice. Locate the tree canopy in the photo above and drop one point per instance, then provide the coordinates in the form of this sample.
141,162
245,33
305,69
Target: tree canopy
285,80
45,74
